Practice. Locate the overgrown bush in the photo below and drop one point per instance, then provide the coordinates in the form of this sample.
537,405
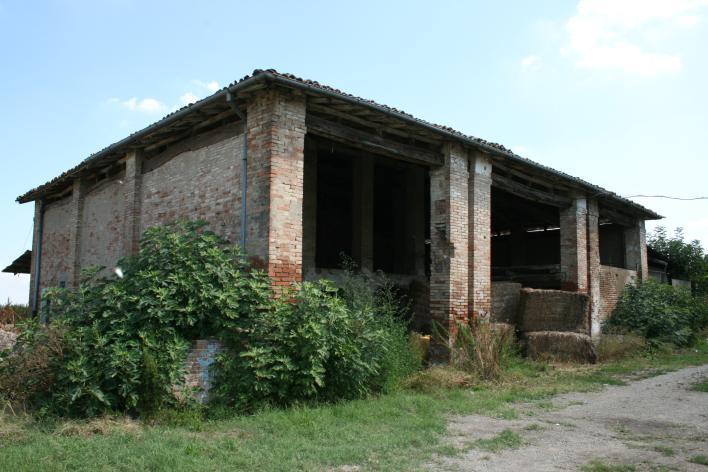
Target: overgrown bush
125,339
318,343
119,344
29,370
659,313
480,347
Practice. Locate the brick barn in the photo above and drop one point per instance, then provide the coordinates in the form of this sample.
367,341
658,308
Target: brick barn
299,173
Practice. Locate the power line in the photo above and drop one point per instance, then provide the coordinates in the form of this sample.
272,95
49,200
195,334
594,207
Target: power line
668,197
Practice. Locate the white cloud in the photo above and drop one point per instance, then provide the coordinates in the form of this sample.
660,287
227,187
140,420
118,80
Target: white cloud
520,150
210,87
145,105
188,98
531,62
609,34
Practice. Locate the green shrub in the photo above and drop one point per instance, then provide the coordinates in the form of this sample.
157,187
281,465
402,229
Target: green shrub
125,338
317,343
121,342
659,313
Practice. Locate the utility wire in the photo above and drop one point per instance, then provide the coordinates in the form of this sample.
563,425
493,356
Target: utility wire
668,197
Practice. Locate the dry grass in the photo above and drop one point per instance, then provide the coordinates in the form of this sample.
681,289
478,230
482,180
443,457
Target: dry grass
103,426
479,347
614,347
438,377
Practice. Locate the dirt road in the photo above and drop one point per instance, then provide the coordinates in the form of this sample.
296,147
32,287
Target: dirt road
657,423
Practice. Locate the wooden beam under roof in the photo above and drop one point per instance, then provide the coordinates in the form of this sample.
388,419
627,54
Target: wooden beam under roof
372,142
525,191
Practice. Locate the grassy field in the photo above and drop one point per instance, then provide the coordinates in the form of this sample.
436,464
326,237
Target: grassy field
392,432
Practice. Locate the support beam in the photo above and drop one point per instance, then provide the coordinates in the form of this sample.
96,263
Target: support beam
480,232
363,214
371,142
593,255
635,243
309,210
76,218
132,185
449,241
574,257
530,193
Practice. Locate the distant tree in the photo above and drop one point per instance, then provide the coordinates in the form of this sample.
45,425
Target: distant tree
686,259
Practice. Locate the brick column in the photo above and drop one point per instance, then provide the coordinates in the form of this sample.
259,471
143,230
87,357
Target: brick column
449,227
574,258
363,212
74,255
480,229
132,185
276,153
635,243
593,257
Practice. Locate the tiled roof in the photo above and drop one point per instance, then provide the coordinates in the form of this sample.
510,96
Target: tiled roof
271,75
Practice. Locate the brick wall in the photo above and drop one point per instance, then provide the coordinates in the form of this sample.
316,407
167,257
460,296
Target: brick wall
612,282
56,266
200,182
199,375
276,148
101,231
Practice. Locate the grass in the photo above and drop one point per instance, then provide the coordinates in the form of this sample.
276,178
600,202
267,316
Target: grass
392,432
507,439
599,466
700,386
702,460
665,451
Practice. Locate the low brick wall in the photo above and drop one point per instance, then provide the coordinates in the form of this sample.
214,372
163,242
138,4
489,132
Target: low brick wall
553,310
612,282
198,374
505,302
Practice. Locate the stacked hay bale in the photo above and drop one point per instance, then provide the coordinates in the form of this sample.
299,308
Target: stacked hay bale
553,324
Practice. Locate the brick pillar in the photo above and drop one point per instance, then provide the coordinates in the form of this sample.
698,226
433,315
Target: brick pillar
363,212
593,257
276,153
449,242
635,243
74,255
132,185
480,229
573,234
35,253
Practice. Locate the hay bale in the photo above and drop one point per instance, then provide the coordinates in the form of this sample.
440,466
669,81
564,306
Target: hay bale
560,346
553,310
505,302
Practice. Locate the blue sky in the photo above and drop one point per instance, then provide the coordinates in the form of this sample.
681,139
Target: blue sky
613,91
